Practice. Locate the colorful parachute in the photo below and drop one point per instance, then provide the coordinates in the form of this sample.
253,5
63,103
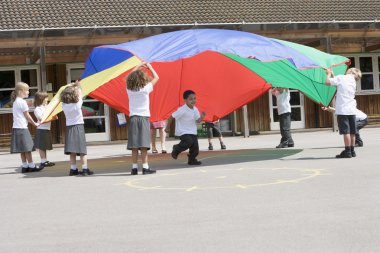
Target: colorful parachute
225,68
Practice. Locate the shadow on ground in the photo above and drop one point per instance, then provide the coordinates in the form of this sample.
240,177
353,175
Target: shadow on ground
121,165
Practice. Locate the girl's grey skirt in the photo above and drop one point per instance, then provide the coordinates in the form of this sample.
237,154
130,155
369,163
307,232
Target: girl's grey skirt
21,141
138,133
75,140
43,140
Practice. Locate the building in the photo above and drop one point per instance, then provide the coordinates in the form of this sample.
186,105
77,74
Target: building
45,44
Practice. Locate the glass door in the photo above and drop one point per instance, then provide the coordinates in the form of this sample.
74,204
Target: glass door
297,107
95,113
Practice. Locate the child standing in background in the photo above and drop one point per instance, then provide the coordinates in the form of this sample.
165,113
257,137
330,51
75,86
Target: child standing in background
213,130
138,89
21,139
42,140
75,139
160,125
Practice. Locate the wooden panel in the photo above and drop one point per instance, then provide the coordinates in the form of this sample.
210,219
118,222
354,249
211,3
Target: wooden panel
258,114
117,132
315,117
369,104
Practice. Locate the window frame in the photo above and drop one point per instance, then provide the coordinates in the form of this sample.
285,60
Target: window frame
375,72
17,70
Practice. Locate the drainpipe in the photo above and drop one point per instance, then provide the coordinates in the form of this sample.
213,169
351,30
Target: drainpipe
329,50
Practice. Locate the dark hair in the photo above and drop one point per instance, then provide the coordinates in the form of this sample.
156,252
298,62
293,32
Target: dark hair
70,94
137,80
39,98
187,93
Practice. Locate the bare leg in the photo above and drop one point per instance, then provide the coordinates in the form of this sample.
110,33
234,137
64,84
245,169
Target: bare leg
23,157
347,140
29,157
352,144
144,155
153,139
73,159
162,138
220,139
42,153
83,159
135,153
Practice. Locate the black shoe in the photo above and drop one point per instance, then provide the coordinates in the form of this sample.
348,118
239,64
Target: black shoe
174,155
344,154
134,172
290,145
86,172
282,145
353,153
358,144
210,147
25,170
194,162
35,169
74,172
222,146
47,164
148,171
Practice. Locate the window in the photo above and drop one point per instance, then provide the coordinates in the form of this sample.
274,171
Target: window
369,64
9,76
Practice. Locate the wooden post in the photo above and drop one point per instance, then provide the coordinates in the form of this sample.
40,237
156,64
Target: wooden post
43,67
329,50
245,121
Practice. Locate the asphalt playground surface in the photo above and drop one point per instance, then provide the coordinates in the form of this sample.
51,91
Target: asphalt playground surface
248,198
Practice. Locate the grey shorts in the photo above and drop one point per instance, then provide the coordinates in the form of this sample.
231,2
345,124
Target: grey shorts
346,124
213,129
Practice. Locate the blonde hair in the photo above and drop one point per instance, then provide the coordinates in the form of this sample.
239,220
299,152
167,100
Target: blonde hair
355,72
137,80
20,86
70,94
39,98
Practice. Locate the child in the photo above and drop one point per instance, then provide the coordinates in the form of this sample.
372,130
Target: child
42,140
21,139
361,121
75,139
186,119
138,89
345,107
160,125
284,113
213,130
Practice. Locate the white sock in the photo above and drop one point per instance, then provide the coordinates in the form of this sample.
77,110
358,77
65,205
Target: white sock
25,165
135,166
43,160
145,166
84,167
73,166
31,165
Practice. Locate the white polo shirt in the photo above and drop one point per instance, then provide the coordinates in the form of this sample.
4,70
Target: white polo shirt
19,107
185,120
345,94
73,113
283,104
39,112
139,101
359,115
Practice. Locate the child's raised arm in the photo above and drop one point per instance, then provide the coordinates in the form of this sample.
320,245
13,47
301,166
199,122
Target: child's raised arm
155,76
329,75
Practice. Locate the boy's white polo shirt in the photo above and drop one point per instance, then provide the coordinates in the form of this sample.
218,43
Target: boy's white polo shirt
345,94
185,120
